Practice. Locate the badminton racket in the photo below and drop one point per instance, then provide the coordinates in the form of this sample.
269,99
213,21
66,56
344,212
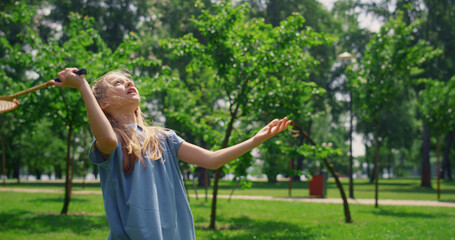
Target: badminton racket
9,102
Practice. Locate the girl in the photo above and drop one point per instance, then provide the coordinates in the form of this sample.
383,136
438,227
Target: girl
143,192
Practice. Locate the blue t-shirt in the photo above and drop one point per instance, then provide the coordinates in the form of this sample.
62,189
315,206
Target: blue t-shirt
150,202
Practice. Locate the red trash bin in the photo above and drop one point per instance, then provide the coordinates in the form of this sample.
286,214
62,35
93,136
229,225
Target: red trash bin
317,185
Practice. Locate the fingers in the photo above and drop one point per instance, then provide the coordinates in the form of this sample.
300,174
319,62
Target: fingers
280,125
277,128
271,124
65,77
58,84
64,73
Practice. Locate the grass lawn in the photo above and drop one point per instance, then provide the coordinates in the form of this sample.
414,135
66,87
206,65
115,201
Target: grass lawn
401,189
35,216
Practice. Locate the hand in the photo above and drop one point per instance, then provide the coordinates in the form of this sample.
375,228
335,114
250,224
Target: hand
274,127
69,79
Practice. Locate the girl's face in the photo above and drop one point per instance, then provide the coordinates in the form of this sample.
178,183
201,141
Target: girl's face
121,93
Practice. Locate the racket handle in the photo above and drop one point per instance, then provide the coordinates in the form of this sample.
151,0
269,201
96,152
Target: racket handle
81,71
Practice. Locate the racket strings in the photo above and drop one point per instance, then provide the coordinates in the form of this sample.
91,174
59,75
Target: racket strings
8,105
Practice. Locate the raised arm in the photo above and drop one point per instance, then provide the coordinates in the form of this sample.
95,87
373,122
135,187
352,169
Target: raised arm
214,159
106,140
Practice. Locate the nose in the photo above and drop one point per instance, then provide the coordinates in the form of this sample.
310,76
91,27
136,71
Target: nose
129,84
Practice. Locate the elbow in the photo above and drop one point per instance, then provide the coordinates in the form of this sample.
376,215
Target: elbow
210,162
106,145
212,167
213,163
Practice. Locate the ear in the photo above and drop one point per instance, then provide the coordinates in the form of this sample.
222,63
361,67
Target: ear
103,104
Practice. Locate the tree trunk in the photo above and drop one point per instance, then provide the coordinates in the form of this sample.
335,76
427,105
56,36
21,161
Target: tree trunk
437,168
299,166
68,172
300,158
237,181
271,178
351,172
347,213
445,170
185,177
194,184
227,135
291,166
83,171
201,176
389,164
367,161
83,161
95,172
206,183
372,177
58,171
38,174
3,164
426,173
18,164
376,166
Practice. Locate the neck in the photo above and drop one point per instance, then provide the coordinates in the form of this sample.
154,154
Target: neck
124,118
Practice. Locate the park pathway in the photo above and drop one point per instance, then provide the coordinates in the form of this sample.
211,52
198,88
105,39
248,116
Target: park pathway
268,198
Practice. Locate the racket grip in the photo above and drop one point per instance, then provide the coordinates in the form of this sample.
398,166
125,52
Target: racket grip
81,71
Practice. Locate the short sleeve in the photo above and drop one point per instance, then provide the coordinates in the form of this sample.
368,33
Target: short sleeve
174,141
96,157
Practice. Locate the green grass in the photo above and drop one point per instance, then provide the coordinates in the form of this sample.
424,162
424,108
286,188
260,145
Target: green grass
400,189
56,185
35,216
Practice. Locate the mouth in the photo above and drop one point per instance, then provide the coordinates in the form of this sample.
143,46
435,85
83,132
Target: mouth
132,90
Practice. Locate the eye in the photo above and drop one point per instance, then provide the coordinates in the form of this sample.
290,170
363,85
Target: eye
117,83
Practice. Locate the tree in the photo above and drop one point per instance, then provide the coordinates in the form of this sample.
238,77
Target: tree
321,20
113,19
81,45
51,150
252,64
437,102
392,58
438,31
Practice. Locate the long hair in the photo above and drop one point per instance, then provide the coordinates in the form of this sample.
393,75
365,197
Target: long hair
135,146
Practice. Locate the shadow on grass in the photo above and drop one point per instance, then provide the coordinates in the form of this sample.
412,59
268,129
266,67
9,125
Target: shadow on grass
61,185
382,183
58,199
248,228
227,185
408,214
422,190
32,222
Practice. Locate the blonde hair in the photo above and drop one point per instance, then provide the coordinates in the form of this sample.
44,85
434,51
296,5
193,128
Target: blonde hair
135,146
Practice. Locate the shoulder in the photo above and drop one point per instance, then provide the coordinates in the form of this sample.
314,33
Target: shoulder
172,135
101,159
172,141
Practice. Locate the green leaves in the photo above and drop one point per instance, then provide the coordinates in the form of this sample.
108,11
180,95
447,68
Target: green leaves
437,104
241,67
319,151
392,58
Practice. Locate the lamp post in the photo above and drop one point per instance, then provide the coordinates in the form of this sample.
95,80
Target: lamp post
346,57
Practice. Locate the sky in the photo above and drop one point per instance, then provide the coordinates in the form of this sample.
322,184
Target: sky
365,21
358,148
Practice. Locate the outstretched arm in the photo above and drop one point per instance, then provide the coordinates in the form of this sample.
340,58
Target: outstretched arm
215,159
106,140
